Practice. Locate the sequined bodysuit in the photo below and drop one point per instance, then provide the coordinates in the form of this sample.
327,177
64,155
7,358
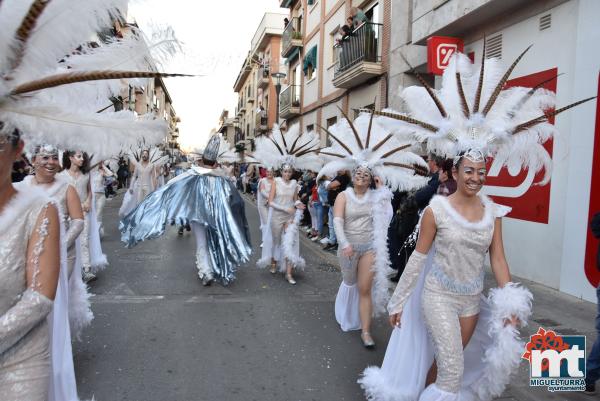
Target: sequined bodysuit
24,332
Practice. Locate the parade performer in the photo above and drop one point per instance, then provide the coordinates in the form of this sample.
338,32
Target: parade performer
29,273
449,342
286,152
206,199
98,180
59,188
76,166
378,161
262,203
41,102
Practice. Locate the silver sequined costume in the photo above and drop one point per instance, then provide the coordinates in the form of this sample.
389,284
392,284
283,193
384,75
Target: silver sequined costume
24,332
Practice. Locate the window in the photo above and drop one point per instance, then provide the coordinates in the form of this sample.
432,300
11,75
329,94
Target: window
310,63
310,127
334,37
330,121
310,2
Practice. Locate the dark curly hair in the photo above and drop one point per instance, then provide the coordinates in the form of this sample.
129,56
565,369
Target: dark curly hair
66,162
14,136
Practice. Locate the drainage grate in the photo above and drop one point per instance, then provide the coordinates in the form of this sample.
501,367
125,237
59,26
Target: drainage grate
545,21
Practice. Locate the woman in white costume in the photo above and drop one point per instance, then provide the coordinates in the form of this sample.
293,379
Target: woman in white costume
37,100
286,152
450,343
76,165
375,158
98,177
58,187
283,200
29,271
262,202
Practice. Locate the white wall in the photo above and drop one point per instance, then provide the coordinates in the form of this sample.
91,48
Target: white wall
313,15
553,253
364,96
308,119
311,87
334,22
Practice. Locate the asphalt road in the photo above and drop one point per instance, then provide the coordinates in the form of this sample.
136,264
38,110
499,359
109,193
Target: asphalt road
158,334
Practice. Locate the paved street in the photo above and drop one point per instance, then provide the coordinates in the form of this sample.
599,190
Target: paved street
158,335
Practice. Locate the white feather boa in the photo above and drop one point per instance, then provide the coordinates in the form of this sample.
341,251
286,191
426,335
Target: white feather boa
290,244
382,215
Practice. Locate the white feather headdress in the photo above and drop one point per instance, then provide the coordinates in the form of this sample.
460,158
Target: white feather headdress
227,154
366,143
473,111
292,148
52,83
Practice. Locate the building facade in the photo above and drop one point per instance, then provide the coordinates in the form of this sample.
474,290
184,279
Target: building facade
327,70
546,236
257,106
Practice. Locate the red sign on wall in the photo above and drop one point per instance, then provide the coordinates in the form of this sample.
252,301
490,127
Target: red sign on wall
439,52
591,246
518,189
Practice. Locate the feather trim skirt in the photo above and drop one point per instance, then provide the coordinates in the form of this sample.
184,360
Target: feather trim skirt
346,307
492,355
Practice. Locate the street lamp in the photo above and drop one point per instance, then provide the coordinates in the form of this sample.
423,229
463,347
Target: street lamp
278,76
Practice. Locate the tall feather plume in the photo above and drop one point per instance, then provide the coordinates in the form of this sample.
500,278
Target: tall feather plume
541,119
85,76
276,145
356,136
370,126
404,118
396,150
461,94
529,94
342,144
480,84
417,169
428,88
23,34
502,82
382,142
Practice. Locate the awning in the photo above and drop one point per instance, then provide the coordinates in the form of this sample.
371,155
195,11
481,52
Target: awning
310,59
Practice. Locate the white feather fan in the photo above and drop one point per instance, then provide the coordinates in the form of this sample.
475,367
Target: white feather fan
472,111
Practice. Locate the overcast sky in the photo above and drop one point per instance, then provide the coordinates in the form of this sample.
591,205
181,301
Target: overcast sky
216,37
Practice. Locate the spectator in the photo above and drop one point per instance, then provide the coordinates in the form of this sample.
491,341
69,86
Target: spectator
285,22
358,17
316,202
338,185
593,360
20,169
123,173
447,183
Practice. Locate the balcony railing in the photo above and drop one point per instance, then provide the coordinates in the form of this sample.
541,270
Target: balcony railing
292,37
359,56
264,76
262,121
289,101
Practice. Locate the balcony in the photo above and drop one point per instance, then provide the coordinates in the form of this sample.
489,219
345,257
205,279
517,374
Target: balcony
359,56
261,122
289,102
263,76
292,37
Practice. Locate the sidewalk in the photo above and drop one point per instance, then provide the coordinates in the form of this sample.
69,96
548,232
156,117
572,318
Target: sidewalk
552,310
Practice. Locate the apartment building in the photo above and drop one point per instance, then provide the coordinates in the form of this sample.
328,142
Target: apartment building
227,128
257,98
327,72
547,236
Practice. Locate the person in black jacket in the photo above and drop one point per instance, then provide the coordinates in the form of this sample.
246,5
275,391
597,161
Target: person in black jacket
593,361
406,218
